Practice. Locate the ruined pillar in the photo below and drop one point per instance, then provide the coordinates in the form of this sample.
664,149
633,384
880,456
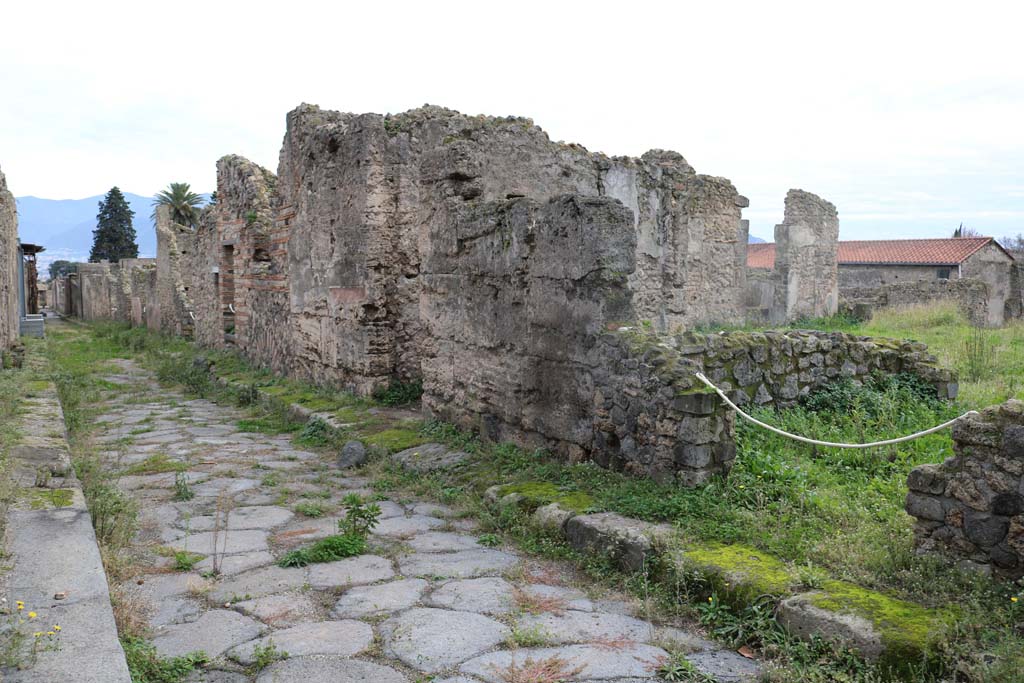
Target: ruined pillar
806,259
8,267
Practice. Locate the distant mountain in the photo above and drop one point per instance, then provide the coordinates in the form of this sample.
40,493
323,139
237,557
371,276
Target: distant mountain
64,226
754,240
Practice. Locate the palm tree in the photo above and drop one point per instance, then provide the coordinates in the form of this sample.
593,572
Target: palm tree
182,202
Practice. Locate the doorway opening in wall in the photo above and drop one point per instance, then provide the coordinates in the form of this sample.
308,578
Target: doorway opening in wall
943,273
227,291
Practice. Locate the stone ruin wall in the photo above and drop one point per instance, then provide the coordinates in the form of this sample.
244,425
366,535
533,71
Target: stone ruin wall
806,258
970,508
970,295
515,297
804,282
9,315
475,254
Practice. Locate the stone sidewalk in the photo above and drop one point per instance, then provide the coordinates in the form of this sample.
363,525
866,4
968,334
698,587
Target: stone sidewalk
429,602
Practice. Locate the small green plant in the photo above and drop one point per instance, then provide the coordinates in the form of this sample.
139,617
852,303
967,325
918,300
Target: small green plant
182,491
265,655
310,509
977,355
184,561
146,666
533,636
247,395
677,668
315,433
271,480
329,549
360,517
489,540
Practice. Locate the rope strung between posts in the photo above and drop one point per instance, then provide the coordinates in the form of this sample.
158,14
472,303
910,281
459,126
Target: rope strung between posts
815,442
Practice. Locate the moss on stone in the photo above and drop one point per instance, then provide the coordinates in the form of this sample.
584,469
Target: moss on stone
908,630
394,440
739,571
538,493
41,499
37,386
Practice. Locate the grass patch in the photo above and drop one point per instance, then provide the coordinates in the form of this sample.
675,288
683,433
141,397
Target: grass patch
157,463
336,547
395,439
146,666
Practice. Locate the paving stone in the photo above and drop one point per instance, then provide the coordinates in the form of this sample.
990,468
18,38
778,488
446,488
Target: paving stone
304,529
364,601
679,640
247,517
175,610
429,457
431,640
432,510
157,587
281,610
581,627
566,598
354,571
406,526
588,661
216,676
353,454
463,564
213,633
258,582
726,666
442,542
228,485
389,509
236,564
343,638
485,596
228,543
328,669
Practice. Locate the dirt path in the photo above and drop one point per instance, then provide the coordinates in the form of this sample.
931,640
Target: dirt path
429,601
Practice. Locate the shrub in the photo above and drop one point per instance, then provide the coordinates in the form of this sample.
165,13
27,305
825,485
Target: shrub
400,393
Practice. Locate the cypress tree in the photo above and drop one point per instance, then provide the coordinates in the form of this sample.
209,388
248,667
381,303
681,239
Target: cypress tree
114,236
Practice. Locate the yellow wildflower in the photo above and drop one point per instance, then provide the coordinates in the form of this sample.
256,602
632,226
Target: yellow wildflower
37,634
1013,599
56,627
31,615
50,633
710,599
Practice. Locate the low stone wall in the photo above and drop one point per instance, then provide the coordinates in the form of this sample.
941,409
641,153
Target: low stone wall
778,368
969,294
971,507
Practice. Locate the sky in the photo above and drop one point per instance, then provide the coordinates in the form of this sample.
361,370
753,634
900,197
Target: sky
908,116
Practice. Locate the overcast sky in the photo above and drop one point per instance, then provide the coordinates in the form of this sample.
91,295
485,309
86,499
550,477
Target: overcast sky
908,116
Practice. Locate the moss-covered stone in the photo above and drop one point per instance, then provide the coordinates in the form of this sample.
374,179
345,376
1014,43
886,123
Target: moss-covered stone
41,499
738,572
908,630
394,440
538,493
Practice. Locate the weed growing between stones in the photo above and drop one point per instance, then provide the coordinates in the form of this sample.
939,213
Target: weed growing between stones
400,393
265,655
146,666
182,491
549,670
21,639
360,518
310,509
678,668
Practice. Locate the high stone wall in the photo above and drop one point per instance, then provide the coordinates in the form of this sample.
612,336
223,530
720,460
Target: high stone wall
515,296
362,192
9,314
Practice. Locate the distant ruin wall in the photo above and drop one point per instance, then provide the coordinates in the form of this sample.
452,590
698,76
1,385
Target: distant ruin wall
806,253
9,314
175,247
970,508
970,295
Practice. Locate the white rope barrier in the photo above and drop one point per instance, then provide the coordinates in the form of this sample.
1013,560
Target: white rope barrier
815,442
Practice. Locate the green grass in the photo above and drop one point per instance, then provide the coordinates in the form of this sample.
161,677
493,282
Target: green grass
146,666
329,549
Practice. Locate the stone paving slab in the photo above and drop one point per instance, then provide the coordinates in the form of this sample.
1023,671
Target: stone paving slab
343,638
461,564
365,601
431,640
213,633
580,662
328,669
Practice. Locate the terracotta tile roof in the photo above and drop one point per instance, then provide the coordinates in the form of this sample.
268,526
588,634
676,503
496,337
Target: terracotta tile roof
929,252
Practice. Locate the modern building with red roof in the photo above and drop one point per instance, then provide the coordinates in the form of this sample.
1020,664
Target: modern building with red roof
866,264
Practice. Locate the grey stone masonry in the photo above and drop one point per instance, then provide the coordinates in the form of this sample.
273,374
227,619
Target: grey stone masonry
8,268
806,265
970,508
